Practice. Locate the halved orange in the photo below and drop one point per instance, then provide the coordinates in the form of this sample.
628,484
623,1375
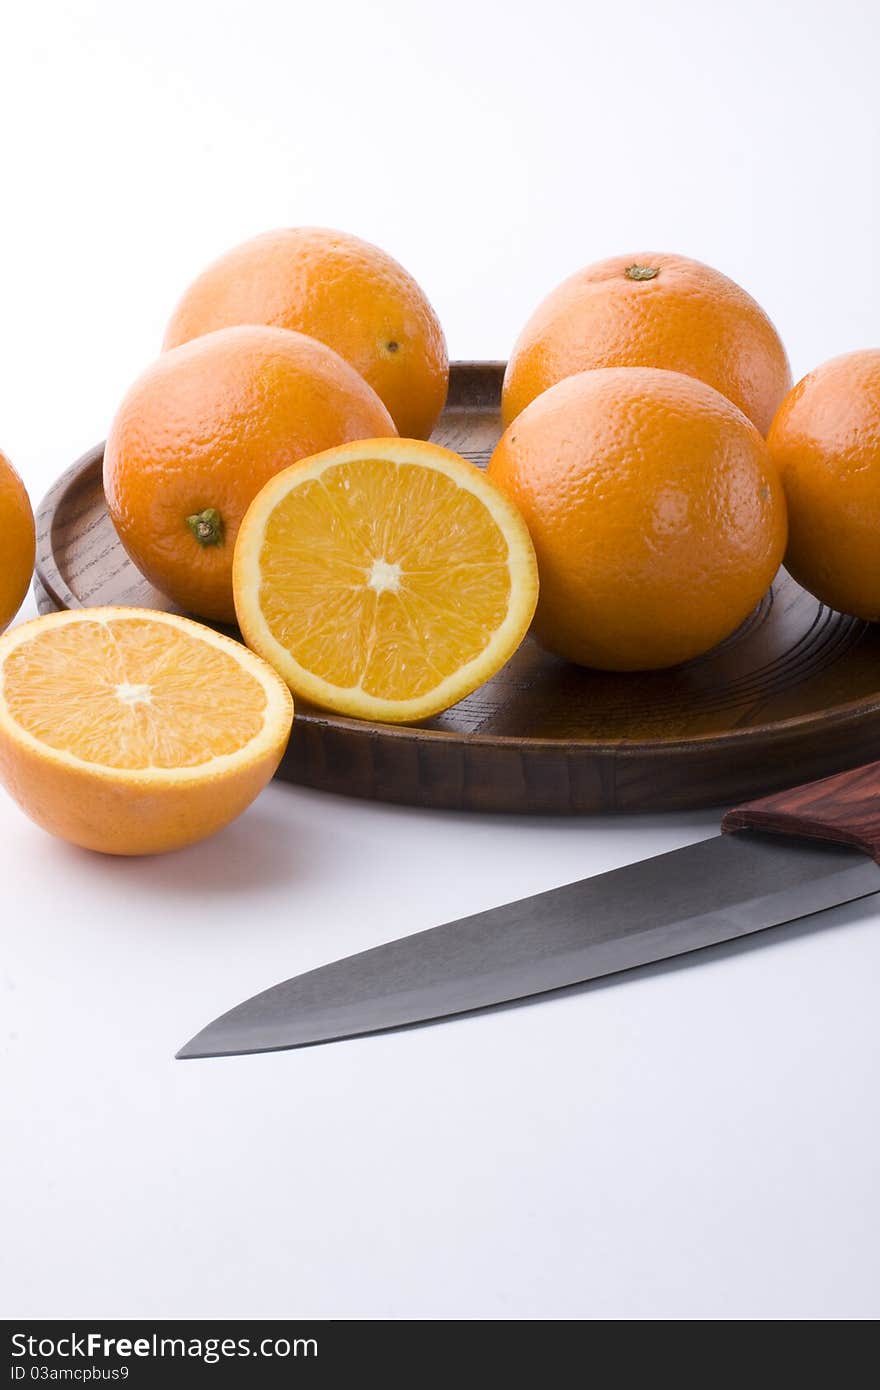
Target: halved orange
384,579
135,732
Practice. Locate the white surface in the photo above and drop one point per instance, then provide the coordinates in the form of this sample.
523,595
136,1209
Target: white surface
698,1142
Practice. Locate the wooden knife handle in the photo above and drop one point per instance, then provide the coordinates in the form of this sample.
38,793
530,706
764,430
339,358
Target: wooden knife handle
844,808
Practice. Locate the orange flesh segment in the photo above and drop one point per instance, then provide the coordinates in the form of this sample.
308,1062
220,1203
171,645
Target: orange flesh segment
383,576
132,694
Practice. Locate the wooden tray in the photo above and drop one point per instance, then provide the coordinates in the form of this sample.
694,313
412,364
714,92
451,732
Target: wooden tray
793,694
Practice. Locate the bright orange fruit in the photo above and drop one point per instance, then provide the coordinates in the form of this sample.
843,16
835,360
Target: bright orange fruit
134,732
384,579
341,290
825,441
652,310
657,515
199,434
16,542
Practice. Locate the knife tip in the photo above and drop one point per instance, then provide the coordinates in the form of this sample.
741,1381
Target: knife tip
191,1049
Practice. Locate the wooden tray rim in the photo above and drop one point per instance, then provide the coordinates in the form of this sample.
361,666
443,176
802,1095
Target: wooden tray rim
51,579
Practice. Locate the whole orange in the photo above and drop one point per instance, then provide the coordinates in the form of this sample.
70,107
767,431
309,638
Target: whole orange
341,290
652,311
16,542
203,429
656,514
825,441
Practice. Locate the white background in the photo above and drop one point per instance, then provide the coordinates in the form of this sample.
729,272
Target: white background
697,1142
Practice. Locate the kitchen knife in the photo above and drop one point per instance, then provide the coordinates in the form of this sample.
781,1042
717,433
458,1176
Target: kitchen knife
777,859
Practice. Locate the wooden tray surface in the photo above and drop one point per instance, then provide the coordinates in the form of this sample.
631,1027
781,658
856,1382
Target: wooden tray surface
793,694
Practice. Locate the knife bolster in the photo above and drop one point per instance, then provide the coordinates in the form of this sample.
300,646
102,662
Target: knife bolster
844,809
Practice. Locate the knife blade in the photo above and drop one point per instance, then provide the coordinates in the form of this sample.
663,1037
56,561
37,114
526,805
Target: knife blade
782,858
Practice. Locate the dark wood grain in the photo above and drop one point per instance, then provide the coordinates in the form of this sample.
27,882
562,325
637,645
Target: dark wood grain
844,808
793,695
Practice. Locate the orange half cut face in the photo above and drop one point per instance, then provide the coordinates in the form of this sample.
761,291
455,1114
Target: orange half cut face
385,579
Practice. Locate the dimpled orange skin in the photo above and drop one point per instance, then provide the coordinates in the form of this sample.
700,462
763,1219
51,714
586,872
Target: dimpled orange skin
203,429
686,317
656,514
16,542
825,441
338,289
